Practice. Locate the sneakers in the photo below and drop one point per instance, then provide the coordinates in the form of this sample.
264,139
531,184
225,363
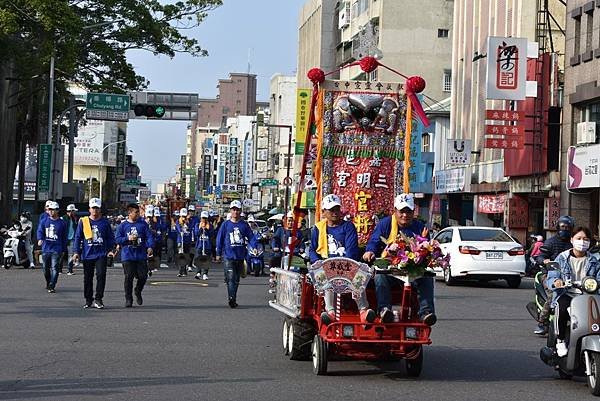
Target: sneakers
198,276
87,306
232,303
149,273
190,269
540,330
98,304
561,348
386,315
181,275
138,298
429,319
205,277
51,290
367,315
327,317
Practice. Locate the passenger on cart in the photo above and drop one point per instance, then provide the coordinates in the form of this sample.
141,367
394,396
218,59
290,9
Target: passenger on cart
334,237
388,228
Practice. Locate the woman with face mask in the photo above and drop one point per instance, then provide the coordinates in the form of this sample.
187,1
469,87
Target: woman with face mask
575,264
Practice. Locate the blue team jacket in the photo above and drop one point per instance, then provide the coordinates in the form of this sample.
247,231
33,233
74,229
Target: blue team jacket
134,251
99,245
53,233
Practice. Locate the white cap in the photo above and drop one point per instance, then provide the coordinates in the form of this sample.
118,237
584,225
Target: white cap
157,212
94,202
191,207
71,208
204,214
331,201
53,205
212,213
176,213
404,200
290,214
539,238
47,204
149,212
183,212
236,203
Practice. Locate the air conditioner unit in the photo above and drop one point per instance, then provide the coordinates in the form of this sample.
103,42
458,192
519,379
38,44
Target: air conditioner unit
344,17
586,132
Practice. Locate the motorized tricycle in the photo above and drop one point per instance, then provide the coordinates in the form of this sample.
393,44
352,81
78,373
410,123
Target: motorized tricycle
304,337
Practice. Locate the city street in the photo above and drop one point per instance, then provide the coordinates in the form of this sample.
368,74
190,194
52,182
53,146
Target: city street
185,343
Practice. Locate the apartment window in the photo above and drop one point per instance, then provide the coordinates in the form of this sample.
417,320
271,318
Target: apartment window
364,6
373,75
447,81
589,31
443,33
426,142
354,9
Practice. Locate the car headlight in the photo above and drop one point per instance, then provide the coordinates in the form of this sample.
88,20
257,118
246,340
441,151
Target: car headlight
589,285
411,332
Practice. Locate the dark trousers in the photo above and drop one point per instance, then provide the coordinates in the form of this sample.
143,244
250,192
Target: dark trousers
188,250
137,269
562,315
89,267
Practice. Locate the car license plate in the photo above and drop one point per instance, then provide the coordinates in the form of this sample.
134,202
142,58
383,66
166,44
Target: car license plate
493,255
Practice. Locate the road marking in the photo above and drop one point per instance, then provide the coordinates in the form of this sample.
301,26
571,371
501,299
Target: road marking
200,284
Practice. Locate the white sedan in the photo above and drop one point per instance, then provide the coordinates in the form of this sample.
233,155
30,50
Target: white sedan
481,253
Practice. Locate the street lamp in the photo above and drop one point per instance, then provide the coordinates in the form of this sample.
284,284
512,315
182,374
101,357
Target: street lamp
102,162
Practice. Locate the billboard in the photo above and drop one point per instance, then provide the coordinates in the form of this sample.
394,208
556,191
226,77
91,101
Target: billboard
584,167
506,68
30,174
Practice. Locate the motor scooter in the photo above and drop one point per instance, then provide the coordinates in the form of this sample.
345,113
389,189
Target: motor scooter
539,299
256,259
13,250
583,336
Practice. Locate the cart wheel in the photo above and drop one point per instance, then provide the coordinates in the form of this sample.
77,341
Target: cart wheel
319,356
285,333
300,338
414,366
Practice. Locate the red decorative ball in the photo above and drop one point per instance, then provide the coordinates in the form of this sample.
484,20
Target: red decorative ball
368,64
415,84
316,75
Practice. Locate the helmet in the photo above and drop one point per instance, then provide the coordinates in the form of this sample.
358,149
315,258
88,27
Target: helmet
568,220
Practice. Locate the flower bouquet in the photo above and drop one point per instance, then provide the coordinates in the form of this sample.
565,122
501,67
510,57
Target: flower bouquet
412,256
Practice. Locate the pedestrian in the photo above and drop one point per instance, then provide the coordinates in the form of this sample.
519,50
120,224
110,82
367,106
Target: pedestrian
194,220
232,238
134,236
52,237
157,228
93,243
172,237
204,233
184,242
27,227
70,219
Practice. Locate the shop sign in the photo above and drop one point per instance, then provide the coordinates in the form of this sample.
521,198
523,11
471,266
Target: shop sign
491,203
458,151
517,213
584,167
506,68
551,213
453,180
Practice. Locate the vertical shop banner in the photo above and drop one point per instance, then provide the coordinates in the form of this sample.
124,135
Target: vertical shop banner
551,213
121,149
361,148
506,68
302,113
516,215
458,151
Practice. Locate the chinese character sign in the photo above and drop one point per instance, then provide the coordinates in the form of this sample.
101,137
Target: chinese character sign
551,213
362,148
506,68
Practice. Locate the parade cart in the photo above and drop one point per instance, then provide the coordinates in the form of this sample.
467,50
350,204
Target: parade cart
357,145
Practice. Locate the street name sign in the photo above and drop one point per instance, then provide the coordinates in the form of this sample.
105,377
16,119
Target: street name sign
269,182
107,106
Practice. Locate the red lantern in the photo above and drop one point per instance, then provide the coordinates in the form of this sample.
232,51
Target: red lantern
415,84
316,75
368,64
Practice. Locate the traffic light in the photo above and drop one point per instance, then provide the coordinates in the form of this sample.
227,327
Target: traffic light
149,110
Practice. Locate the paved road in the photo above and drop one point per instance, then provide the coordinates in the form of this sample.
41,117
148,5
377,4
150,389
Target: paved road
184,343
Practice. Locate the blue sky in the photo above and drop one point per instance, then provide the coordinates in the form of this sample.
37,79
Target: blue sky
267,30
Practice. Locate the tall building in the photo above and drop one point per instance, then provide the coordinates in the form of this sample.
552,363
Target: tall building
580,151
518,183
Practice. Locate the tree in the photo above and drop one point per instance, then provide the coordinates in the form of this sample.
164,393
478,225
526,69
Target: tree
90,40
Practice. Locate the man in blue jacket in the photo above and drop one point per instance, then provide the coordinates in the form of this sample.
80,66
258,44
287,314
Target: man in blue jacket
136,240
52,237
92,243
232,238
403,217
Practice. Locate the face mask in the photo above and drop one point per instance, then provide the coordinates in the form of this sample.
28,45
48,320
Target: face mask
581,245
23,219
564,234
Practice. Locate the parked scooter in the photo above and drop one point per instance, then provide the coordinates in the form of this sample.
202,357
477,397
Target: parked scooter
583,337
256,258
535,307
13,250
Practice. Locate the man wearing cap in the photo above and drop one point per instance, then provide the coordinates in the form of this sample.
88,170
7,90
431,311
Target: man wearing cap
157,227
135,238
204,233
172,237
94,242
184,240
52,237
194,220
70,220
402,220
280,240
46,213
334,237
232,238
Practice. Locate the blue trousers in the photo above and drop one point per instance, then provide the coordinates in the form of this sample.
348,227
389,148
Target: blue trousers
233,270
50,262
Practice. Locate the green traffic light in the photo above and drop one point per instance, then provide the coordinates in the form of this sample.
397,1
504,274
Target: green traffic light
159,111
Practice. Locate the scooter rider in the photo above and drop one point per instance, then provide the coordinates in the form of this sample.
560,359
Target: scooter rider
232,238
333,237
551,248
575,264
27,228
93,242
401,220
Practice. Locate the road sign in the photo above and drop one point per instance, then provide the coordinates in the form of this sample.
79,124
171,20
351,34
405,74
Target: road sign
44,170
132,182
269,182
127,197
107,106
